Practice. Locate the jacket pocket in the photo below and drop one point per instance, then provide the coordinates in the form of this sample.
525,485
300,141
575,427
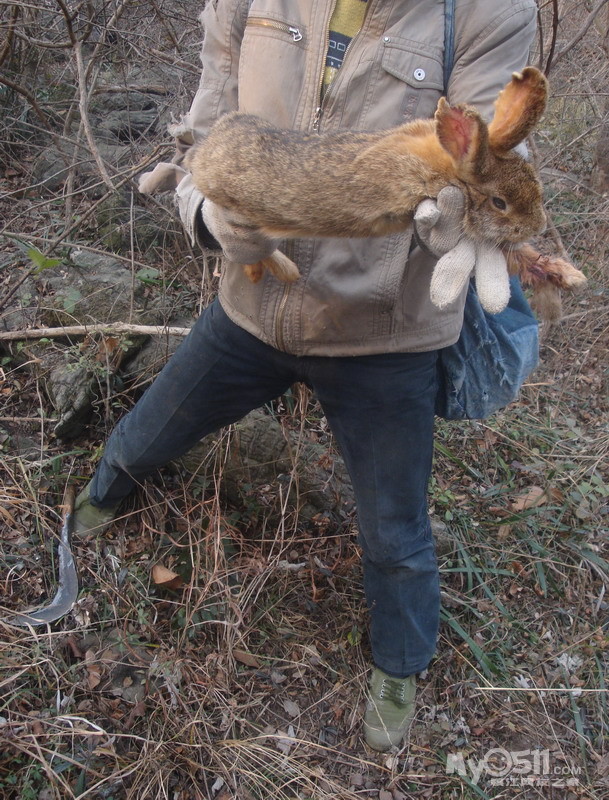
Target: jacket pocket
275,26
272,69
420,77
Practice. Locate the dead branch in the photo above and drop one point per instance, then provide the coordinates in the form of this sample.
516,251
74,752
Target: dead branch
86,330
118,13
16,87
590,19
11,30
83,104
42,43
94,206
551,227
132,87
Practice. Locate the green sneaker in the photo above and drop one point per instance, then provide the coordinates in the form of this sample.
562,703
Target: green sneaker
390,710
90,519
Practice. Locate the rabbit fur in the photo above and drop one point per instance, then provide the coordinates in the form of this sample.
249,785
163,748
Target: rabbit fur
291,184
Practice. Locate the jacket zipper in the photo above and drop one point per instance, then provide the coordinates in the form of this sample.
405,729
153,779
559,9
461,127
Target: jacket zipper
281,311
318,110
295,33
322,101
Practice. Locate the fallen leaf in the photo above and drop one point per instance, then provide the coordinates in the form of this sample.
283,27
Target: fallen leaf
138,710
291,708
285,741
7,515
533,497
498,511
166,578
94,676
503,532
246,658
514,590
602,767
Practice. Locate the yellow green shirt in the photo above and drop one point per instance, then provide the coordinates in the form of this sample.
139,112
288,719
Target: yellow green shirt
345,23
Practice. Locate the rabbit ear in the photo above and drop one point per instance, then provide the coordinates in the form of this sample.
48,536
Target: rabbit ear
518,109
463,134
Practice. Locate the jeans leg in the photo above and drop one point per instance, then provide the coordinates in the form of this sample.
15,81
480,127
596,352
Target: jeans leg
381,410
218,374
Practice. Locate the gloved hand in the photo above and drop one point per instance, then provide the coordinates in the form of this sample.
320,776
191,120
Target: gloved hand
240,241
439,227
164,177
438,223
455,268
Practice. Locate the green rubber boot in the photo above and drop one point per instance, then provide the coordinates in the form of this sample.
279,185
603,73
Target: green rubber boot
88,519
391,704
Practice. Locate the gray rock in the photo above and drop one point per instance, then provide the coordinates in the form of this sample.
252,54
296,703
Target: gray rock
23,309
97,288
128,125
53,165
152,356
70,388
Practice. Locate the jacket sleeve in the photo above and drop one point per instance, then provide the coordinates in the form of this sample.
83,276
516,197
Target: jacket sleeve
486,54
223,23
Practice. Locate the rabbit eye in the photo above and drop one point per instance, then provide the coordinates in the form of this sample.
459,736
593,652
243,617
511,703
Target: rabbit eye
499,203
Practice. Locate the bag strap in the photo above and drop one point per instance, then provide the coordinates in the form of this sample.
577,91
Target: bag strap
449,40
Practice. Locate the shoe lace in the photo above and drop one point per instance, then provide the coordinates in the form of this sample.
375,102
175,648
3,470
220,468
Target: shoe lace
394,690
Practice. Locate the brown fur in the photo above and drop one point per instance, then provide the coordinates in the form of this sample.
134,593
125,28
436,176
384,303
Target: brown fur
545,276
291,184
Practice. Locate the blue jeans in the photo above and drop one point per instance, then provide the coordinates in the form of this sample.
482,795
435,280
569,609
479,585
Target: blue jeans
381,411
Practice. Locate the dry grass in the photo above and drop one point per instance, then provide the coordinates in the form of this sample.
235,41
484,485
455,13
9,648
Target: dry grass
248,681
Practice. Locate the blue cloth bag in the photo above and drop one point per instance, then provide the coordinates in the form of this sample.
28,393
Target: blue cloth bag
486,368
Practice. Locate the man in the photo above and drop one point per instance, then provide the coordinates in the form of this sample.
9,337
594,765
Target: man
358,327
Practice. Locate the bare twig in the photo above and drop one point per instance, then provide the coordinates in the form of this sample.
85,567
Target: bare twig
580,33
86,330
16,87
132,87
42,43
11,31
4,300
94,206
555,17
83,103
39,420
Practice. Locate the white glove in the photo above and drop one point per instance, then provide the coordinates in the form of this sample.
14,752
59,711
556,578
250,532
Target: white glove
164,177
439,223
240,241
439,227
455,268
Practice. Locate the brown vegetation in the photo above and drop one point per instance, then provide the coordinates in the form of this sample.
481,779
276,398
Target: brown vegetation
219,646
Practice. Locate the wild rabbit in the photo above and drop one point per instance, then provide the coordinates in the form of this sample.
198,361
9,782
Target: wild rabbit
292,184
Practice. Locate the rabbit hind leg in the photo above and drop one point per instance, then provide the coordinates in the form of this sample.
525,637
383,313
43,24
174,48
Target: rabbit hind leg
278,265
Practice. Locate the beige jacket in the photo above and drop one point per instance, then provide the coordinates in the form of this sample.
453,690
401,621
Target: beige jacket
266,57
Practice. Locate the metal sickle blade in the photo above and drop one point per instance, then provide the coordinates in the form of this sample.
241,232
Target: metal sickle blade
67,588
